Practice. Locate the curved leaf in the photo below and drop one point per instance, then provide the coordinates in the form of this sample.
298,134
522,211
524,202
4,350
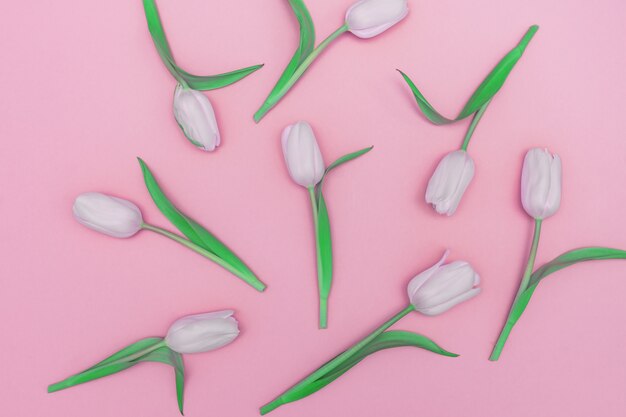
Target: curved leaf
197,82
150,349
485,91
387,340
305,47
338,162
348,157
212,82
174,359
573,257
562,261
195,232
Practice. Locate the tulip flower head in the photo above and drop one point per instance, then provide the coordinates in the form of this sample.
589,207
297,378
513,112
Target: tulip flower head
302,154
190,334
202,332
541,183
106,214
441,287
195,116
368,18
449,181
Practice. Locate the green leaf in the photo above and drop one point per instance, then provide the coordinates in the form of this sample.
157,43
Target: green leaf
326,248
386,340
169,357
573,257
195,232
129,351
338,162
305,47
485,91
197,82
562,261
151,349
211,82
348,157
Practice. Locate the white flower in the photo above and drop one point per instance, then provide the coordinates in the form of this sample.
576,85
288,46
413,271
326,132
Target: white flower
202,332
368,18
541,183
302,154
195,116
441,287
109,215
450,180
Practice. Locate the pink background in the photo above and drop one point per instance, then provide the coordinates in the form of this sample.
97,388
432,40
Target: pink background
84,92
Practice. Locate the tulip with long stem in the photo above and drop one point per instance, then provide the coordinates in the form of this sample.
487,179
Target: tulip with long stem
306,167
190,334
431,292
192,109
541,198
456,170
364,19
120,218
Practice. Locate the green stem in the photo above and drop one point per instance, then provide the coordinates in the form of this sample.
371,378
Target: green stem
272,100
254,282
510,322
323,305
87,375
470,131
334,363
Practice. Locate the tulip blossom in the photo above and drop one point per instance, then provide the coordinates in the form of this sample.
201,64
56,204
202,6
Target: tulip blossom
192,109
106,214
202,332
194,114
306,167
122,219
441,287
365,19
368,18
541,183
302,154
456,170
432,292
190,334
449,182
541,198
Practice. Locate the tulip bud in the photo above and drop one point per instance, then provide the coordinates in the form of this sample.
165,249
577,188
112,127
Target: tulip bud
109,215
302,154
450,180
202,332
195,116
368,18
541,183
441,287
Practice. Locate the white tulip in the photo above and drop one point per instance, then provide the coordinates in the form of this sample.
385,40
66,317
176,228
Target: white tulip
202,332
441,287
109,215
541,183
302,154
368,18
195,116
450,180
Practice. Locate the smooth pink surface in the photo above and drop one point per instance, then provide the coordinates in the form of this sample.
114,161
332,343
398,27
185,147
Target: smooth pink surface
84,92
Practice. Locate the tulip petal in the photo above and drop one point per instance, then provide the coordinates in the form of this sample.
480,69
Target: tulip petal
422,277
441,308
